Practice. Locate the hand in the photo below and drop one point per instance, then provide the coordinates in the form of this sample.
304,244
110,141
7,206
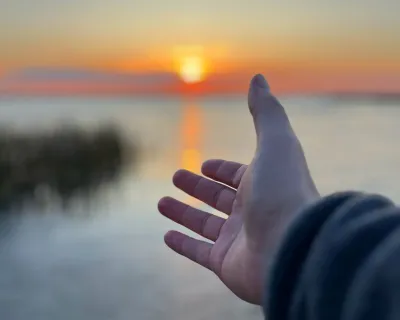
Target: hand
260,201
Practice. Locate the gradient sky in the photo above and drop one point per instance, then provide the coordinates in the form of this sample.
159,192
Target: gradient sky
331,35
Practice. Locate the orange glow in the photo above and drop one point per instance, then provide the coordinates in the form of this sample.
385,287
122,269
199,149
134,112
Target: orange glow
191,125
192,69
191,159
190,63
191,136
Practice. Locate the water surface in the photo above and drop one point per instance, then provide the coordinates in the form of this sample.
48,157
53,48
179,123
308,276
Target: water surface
113,264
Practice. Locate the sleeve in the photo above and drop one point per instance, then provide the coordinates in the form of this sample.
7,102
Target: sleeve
339,260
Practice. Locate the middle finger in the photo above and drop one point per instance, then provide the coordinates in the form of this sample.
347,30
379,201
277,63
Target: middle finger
214,194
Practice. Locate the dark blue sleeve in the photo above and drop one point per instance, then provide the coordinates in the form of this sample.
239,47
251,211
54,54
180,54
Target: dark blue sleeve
339,260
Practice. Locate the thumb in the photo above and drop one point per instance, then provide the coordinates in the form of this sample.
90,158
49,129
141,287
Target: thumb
268,114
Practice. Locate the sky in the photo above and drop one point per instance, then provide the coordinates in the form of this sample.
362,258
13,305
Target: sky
352,39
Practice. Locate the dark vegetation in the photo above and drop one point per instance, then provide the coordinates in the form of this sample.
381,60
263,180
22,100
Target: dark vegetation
63,163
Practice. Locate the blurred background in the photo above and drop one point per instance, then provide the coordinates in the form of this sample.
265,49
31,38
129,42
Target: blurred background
101,101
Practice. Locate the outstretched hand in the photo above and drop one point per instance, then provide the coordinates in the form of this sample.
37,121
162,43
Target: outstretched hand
260,200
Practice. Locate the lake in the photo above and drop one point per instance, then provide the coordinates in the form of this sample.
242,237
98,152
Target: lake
113,264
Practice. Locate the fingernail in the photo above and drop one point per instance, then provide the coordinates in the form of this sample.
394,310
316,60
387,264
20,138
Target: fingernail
260,82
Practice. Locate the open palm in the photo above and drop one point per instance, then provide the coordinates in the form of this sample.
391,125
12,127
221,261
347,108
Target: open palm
259,201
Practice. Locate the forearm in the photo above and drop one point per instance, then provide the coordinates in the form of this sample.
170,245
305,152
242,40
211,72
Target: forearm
339,260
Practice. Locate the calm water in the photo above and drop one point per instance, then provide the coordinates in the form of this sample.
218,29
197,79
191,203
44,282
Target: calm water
114,264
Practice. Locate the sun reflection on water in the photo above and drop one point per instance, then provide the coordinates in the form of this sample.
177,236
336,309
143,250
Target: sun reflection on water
191,141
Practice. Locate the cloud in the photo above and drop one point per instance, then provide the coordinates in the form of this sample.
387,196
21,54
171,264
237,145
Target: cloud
64,81
79,81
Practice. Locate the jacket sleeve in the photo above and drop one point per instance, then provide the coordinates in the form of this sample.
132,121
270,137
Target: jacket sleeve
339,260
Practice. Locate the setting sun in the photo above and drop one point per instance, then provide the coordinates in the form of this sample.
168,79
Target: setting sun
192,69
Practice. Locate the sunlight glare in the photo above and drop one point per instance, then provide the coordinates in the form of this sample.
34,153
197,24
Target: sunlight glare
192,69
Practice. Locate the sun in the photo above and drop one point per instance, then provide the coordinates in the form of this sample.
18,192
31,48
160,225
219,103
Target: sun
192,69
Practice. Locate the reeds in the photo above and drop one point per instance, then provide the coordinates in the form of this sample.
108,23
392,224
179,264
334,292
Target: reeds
65,162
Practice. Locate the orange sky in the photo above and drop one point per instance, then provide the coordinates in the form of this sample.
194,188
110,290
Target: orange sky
315,45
